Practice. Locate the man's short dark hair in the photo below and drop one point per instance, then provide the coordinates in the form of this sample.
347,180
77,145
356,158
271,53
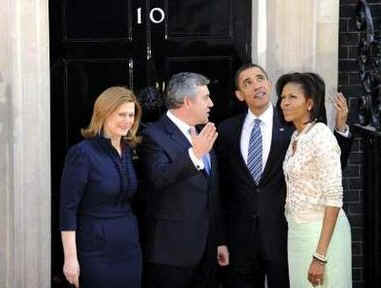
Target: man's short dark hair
245,67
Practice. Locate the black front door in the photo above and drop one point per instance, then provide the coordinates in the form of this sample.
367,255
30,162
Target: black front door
136,43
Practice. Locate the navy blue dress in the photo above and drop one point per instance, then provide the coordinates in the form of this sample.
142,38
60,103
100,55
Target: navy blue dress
96,187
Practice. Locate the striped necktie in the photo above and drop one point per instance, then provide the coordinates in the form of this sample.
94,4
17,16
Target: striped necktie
254,157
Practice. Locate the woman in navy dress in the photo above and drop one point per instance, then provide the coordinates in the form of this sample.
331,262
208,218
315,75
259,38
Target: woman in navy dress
98,228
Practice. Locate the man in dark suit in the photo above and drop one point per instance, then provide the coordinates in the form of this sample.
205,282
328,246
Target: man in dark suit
252,183
182,223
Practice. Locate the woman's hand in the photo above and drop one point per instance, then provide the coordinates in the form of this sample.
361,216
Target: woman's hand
316,273
71,265
71,271
341,111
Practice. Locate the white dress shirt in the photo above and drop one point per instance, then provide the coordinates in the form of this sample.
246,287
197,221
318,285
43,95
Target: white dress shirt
266,129
184,128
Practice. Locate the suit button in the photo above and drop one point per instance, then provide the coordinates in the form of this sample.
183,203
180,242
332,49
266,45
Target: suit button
258,190
253,216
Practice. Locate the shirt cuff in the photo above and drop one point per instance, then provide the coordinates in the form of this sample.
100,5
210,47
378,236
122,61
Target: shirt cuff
198,163
346,133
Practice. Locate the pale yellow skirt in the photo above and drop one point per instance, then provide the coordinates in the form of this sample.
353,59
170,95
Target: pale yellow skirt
302,243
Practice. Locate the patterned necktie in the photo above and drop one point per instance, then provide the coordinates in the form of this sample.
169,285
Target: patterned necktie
206,158
254,157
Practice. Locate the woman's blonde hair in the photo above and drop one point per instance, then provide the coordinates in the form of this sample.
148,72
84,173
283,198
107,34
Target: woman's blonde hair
106,104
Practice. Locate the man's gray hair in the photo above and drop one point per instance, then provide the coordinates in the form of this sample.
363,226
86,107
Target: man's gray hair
183,85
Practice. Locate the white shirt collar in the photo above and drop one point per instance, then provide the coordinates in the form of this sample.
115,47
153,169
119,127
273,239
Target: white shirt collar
266,128
184,127
266,117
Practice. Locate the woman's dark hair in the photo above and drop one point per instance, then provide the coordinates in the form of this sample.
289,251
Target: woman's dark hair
314,88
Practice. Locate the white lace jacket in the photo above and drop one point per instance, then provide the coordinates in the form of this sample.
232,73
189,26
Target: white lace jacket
313,174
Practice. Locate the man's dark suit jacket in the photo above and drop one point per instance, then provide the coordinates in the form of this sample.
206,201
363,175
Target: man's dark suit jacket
182,206
253,209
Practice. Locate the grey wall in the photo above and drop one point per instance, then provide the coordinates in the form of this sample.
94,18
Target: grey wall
24,145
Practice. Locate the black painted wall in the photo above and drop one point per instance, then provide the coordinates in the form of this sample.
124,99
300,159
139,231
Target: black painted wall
349,84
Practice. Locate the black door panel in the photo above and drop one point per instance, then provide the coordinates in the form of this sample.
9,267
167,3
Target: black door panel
212,39
217,69
86,79
97,20
197,20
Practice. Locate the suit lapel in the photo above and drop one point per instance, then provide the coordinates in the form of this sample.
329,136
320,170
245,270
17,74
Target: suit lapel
174,133
237,147
279,135
272,151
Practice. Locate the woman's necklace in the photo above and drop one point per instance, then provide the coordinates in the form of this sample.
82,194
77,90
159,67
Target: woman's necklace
298,134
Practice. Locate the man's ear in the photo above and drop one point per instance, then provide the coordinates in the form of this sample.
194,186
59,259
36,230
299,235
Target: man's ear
238,95
187,102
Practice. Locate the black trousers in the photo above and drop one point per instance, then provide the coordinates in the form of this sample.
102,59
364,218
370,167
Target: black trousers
202,275
253,276
167,276
262,263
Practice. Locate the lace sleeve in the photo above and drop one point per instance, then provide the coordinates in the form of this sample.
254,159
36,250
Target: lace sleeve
329,173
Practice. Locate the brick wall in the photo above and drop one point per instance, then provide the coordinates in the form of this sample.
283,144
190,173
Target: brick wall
349,84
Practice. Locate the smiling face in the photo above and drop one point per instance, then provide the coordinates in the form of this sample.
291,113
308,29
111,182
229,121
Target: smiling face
295,105
255,89
200,106
120,121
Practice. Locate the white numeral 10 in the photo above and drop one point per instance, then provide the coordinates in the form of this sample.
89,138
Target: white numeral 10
152,15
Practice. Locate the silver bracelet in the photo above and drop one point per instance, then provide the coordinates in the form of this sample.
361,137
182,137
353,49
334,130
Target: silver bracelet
320,257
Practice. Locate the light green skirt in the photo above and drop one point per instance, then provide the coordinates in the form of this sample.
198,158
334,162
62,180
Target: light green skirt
302,243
